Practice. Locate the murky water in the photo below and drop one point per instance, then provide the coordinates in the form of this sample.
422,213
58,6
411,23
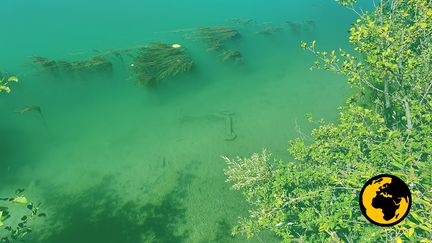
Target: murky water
113,161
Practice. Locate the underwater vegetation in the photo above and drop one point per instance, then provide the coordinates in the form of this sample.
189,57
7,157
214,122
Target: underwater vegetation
233,55
268,30
217,39
243,21
159,61
45,65
5,80
96,64
301,27
262,28
265,28
153,62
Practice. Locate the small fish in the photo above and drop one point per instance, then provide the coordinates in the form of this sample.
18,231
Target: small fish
31,108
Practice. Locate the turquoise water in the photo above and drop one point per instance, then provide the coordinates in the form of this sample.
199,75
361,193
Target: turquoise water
113,161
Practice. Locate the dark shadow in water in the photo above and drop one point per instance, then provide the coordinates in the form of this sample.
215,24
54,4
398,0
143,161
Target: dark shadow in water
16,152
161,221
223,232
11,143
100,215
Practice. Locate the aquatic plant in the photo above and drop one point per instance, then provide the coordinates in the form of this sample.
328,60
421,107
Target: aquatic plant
310,26
268,30
119,53
96,64
13,222
151,63
45,64
315,198
216,38
298,28
5,81
234,55
243,21
159,61
295,27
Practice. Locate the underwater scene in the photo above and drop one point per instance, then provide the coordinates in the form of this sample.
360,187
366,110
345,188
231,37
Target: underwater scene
120,113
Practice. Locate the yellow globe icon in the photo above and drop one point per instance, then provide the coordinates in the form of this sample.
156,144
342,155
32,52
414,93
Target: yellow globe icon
385,200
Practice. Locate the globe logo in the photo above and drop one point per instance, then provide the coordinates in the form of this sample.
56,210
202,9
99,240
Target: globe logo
385,200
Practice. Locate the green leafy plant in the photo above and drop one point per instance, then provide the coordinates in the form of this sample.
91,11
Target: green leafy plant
5,81
15,214
384,128
316,199
393,57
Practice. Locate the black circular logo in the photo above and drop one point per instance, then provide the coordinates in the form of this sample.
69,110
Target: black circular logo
385,200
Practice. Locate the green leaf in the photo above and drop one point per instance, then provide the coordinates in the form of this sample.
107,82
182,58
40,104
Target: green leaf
13,79
20,200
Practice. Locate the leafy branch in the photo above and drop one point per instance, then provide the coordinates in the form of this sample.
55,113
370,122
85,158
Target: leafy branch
5,81
14,221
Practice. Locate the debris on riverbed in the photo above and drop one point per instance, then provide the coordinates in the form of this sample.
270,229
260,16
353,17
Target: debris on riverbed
225,116
230,135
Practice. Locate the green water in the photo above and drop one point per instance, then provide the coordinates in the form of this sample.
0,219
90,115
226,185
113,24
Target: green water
116,162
